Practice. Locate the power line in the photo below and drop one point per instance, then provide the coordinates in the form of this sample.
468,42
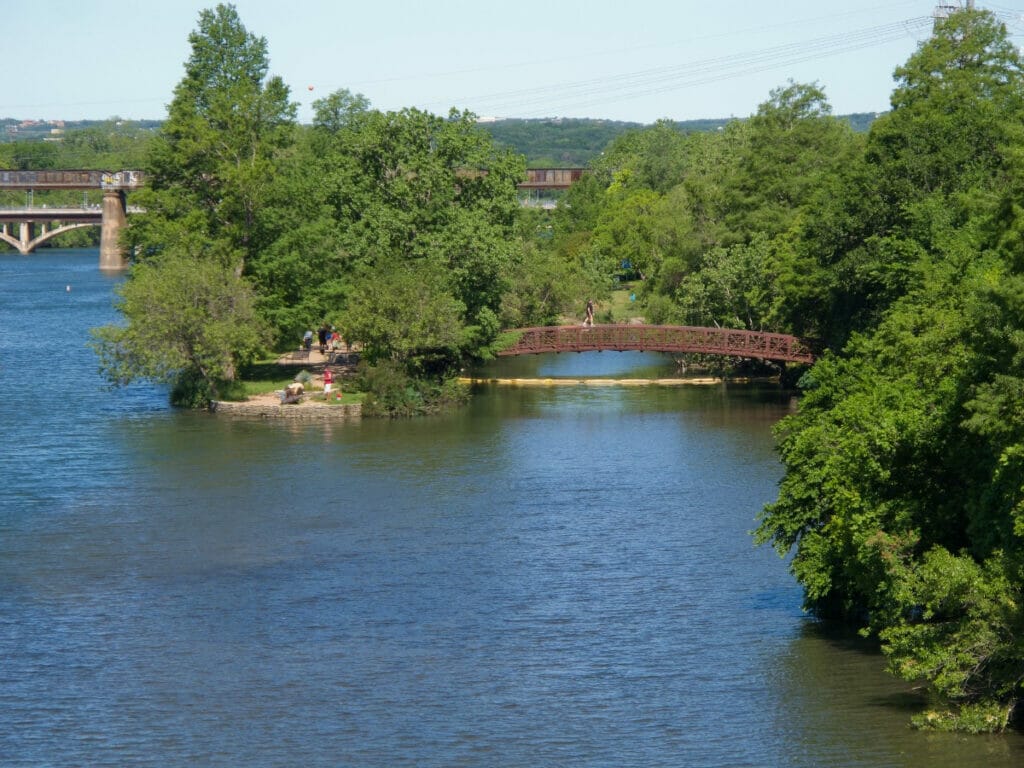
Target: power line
677,77
629,50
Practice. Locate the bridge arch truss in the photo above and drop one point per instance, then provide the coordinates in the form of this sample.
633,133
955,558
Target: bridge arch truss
26,245
730,342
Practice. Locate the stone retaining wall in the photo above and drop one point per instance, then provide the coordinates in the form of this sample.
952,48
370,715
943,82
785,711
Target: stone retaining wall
292,412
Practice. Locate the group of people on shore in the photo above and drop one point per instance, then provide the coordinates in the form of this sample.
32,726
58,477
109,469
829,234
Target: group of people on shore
295,391
327,337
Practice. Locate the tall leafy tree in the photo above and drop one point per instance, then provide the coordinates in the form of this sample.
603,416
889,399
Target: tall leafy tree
187,303
215,158
903,489
793,144
433,193
191,322
926,165
955,100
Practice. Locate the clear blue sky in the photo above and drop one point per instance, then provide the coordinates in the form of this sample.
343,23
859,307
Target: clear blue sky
637,60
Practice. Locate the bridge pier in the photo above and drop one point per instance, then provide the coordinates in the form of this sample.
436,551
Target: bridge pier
115,215
26,233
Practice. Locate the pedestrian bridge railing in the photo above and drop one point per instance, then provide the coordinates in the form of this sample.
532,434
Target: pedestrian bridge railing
731,342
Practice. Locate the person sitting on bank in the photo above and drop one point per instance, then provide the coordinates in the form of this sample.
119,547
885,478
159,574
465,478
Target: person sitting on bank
292,393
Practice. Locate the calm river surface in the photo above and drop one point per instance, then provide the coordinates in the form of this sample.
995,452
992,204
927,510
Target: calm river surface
551,577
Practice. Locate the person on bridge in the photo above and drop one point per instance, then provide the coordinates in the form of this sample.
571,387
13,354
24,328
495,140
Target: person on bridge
590,313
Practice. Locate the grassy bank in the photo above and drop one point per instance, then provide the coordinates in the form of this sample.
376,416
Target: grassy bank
265,377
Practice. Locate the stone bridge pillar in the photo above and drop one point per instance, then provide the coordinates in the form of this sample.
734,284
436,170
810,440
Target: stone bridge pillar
114,217
26,231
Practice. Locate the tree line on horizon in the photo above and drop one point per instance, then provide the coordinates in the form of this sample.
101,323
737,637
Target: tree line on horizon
899,248
544,142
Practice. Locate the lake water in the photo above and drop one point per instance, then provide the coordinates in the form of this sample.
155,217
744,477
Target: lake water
549,577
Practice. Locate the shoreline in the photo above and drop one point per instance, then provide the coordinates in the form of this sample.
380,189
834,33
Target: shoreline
271,408
606,382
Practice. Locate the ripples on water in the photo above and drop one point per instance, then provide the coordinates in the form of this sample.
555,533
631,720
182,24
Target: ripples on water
549,577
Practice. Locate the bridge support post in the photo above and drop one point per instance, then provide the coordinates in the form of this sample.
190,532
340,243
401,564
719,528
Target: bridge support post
114,217
26,231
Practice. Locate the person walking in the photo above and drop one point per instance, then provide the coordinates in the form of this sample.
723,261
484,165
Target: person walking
590,313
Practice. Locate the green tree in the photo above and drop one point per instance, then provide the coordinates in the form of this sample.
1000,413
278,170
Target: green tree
214,161
191,323
904,478
189,310
927,166
793,144
735,287
405,312
955,100
431,193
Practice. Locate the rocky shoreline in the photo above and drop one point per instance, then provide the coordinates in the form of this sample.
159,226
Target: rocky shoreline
271,408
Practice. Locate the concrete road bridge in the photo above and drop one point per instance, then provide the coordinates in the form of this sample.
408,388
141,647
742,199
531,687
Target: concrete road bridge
778,347
37,224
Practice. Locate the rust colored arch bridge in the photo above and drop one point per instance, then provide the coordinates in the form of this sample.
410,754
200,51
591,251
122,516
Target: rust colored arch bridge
779,347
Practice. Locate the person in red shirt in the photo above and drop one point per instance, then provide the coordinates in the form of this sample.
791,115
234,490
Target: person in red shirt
328,383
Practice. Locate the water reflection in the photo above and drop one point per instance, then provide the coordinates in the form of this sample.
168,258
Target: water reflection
836,691
556,576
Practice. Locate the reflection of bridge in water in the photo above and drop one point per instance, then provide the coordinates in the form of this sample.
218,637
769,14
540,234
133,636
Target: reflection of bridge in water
37,224
779,347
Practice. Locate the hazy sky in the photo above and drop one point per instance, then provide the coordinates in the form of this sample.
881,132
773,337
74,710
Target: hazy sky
636,60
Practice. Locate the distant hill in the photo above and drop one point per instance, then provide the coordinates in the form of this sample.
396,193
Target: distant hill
546,142
557,142
573,142
13,129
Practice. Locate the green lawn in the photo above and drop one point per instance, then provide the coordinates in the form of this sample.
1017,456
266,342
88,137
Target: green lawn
267,376
618,308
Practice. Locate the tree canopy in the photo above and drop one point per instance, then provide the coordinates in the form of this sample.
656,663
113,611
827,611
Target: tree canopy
399,227
902,503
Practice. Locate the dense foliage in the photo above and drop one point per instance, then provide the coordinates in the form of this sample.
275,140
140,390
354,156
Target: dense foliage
904,490
399,228
898,249
576,142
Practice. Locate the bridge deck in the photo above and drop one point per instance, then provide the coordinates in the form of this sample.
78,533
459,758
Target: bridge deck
70,179
661,338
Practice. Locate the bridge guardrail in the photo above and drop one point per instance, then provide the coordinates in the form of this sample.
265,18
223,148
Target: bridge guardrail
661,338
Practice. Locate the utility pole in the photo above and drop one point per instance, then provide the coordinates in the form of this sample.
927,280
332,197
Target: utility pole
945,10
